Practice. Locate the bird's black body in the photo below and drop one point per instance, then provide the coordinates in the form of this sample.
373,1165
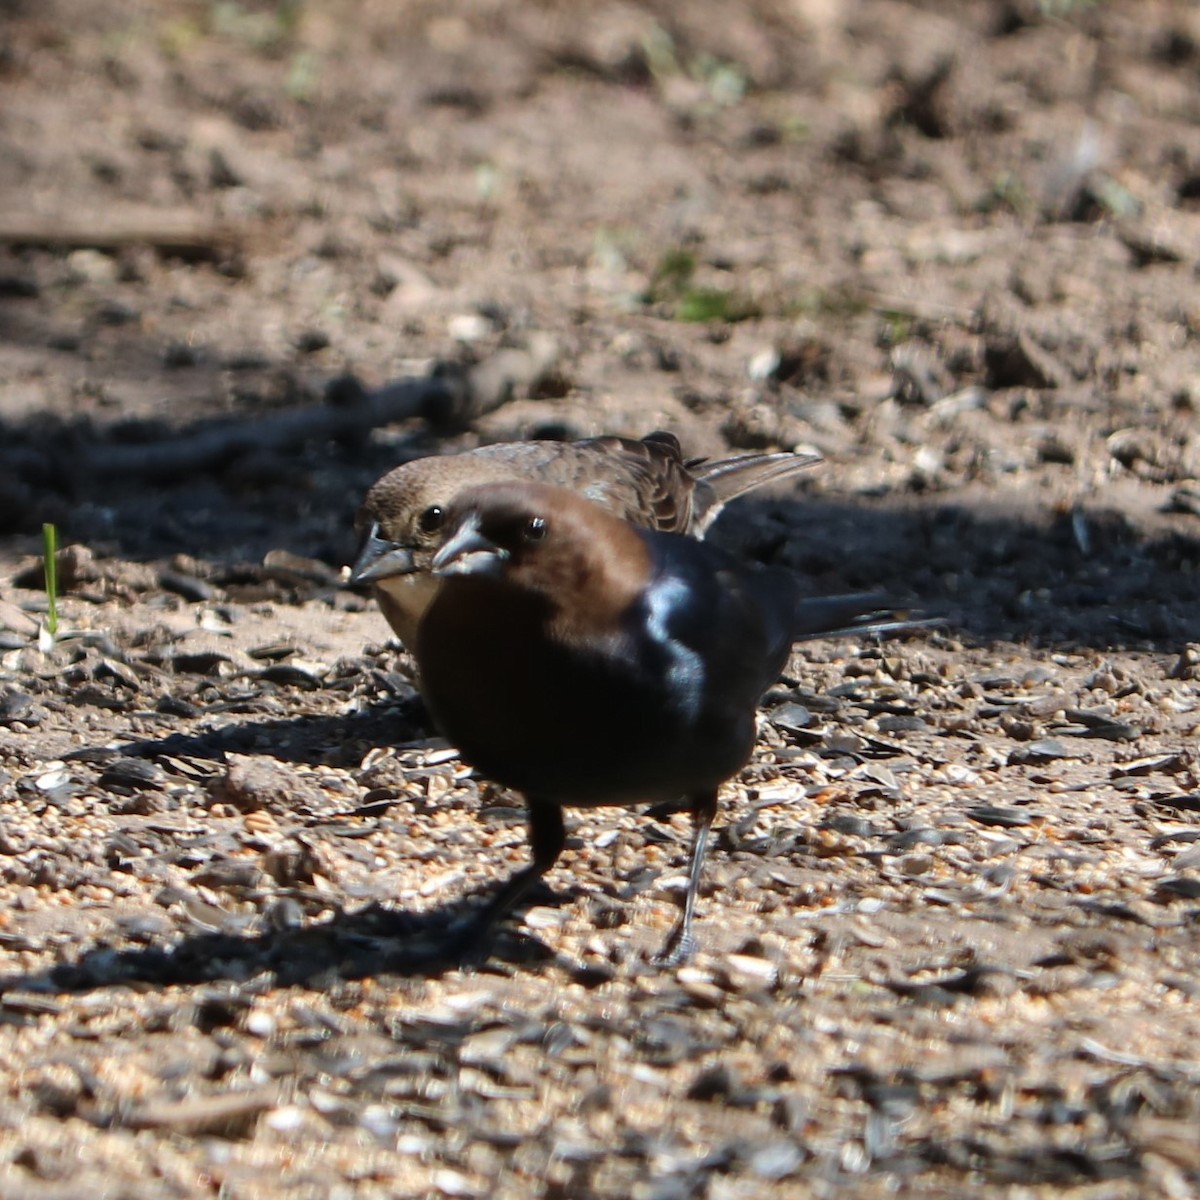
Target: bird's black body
659,705
584,661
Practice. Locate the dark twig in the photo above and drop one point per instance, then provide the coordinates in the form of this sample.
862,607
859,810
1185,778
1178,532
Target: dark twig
184,233
351,415
449,399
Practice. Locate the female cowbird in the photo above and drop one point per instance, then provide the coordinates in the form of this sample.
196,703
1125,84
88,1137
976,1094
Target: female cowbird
647,482
583,661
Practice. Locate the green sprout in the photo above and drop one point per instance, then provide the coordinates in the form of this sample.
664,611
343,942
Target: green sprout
674,284
674,273
50,563
714,304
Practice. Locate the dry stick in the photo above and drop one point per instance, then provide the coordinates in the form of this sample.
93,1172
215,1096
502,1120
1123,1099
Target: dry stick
450,399
179,232
216,446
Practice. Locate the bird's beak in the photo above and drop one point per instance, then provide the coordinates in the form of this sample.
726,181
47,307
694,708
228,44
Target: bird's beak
468,552
380,559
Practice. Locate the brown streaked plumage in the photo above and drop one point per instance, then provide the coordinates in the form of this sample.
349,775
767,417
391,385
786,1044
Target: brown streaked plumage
584,661
647,482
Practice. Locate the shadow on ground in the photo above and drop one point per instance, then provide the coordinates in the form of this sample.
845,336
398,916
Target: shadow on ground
1092,578
370,942
318,739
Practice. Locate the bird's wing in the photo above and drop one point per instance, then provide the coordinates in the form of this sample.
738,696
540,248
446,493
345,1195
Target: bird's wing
645,482
720,480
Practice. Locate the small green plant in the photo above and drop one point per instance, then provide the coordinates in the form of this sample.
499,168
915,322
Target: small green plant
674,284
674,273
48,629
50,563
714,304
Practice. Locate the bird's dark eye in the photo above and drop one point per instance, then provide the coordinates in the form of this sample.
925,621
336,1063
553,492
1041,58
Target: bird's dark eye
535,529
431,519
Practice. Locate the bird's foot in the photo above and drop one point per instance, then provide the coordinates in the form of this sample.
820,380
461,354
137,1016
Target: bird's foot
679,948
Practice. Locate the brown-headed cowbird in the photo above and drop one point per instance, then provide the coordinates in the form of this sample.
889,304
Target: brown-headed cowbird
647,482
583,661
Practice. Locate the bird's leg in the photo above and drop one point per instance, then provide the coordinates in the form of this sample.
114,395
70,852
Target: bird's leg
680,944
547,837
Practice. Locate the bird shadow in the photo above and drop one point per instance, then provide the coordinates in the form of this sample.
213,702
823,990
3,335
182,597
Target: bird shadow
313,738
364,943
1073,580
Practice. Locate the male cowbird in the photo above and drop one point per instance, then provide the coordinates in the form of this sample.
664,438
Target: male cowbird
647,482
583,661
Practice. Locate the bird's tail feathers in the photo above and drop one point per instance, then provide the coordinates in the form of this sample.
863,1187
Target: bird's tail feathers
727,478
855,614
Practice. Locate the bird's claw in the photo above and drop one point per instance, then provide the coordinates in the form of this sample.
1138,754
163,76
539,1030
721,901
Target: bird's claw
679,948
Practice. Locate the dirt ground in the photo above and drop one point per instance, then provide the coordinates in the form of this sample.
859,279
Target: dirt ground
949,925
